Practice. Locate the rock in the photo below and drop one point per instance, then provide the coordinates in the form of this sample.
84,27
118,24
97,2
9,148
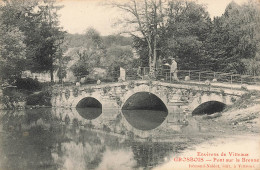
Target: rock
207,82
214,80
146,77
244,87
187,78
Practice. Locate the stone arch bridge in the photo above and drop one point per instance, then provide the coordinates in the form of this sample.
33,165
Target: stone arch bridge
111,100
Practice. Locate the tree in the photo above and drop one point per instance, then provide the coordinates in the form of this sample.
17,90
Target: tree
147,19
12,46
38,22
49,39
12,54
119,56
84,66
171,28
185,33
62,63
89,54
233,43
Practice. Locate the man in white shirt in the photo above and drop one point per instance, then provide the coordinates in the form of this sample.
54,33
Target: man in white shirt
173,70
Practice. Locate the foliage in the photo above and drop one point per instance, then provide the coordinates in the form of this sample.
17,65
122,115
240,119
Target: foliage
116,40
167,29
89,90
246,100
36,22
61,73
42,98
233,44
106,128
11,97
118,101
146,19
233,99
89,54
75,92
119,56
131,85
89,125
67,94
106,89
12,53
55,90
75,122
80,70
62,67
222,92
187,29
184,30
28,84
123,86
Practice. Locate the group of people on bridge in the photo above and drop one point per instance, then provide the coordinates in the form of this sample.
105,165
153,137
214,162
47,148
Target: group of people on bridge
163,67
167,66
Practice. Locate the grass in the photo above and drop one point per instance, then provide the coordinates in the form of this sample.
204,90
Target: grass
247,99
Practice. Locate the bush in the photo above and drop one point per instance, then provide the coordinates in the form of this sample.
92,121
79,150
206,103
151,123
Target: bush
90,81
28,84
42,99
107,80
106,89
10,97
106,129
75,92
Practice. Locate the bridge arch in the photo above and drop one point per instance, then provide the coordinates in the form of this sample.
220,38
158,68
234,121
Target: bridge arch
144,109
209,104
147,89
88,106
208,108
95,95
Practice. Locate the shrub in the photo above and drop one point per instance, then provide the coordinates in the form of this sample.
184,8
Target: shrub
118,101
131,85
67,94
75,122
106,128
28,84
89,90
222,92
90,81
10,97
42,98
75,92
107,80
106,89
123,86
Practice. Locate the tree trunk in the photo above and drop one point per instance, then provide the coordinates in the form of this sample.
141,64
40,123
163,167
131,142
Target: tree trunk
51,72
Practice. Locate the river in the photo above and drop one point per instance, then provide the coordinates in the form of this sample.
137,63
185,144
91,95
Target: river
36,139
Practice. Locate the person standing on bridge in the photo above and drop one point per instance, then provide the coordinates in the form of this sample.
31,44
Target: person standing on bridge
173,70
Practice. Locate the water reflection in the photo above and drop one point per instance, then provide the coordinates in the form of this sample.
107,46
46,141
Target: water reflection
35,139
89,113
145,119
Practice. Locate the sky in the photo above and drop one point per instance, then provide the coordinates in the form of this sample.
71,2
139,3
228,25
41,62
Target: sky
78,15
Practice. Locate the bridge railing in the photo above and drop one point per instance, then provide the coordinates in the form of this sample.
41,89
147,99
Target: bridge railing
201,76
142,73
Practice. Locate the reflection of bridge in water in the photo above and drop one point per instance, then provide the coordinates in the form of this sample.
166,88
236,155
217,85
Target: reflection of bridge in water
143,105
